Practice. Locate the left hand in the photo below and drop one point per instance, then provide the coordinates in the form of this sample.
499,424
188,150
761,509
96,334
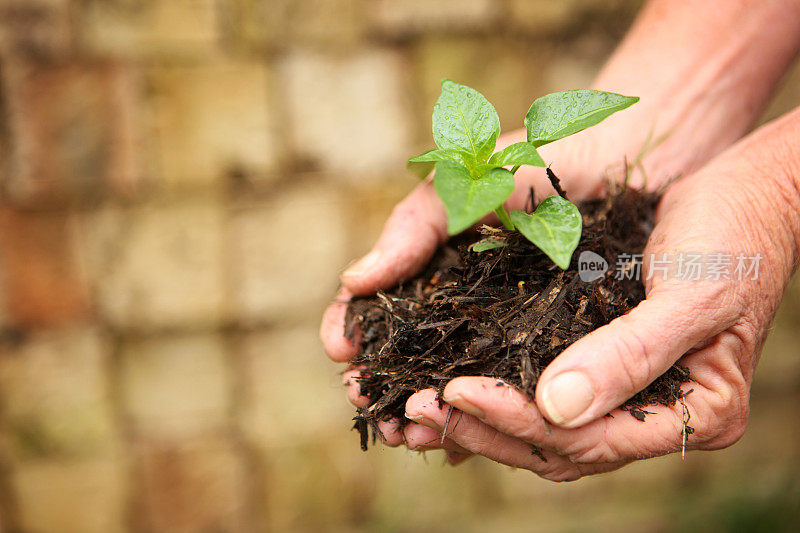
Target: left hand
746,202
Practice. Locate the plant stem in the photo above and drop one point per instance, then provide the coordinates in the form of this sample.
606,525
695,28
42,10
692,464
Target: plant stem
503,216
515,168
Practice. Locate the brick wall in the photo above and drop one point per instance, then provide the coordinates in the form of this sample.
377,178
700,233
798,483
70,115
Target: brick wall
180,182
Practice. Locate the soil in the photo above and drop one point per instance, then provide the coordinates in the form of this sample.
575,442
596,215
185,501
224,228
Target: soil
505,313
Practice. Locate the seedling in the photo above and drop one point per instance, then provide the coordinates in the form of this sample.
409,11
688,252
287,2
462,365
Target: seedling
472,181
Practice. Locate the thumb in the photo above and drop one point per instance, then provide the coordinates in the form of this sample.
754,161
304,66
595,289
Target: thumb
603,369
416,227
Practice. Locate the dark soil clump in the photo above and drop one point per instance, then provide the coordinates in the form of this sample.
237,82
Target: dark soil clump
505,313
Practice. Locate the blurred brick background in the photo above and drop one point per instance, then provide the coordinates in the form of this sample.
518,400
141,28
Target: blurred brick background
180,183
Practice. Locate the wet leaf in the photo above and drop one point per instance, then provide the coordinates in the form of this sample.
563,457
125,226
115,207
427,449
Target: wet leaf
558,115
464,121
436,155
555,227
517,154
467,199
464,159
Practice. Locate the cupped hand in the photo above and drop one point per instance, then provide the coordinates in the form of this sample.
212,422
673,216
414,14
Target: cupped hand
413,232
417,227
744,204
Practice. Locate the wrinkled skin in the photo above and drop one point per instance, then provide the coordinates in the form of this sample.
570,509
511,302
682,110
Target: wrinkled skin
744,201
721,323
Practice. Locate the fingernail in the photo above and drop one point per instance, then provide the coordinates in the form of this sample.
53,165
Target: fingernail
460,403
363,265
567,396
415,418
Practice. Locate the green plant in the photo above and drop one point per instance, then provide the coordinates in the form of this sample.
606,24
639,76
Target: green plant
471,180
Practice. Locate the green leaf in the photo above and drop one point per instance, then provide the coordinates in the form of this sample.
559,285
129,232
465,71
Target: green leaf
517,154
442,155
489,243
555,227
465,121
467,199
420,169
422,162
434,155
558,115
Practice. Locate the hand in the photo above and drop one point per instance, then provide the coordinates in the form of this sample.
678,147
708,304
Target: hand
690,88
744,202
415,229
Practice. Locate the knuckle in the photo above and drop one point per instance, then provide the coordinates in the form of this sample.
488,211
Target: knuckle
713,297
729,435
748,336
708,304
632,355
599,452
724,303
725,415
594,450
483,441
521,425
735,431
729,427
528,432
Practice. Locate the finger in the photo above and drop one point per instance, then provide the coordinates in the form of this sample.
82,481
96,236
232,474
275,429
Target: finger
501,406
607,440
475,436
456,458
423,438
416,227
614,440
717,408
331,331
390,433
353,388
606,367
479,438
